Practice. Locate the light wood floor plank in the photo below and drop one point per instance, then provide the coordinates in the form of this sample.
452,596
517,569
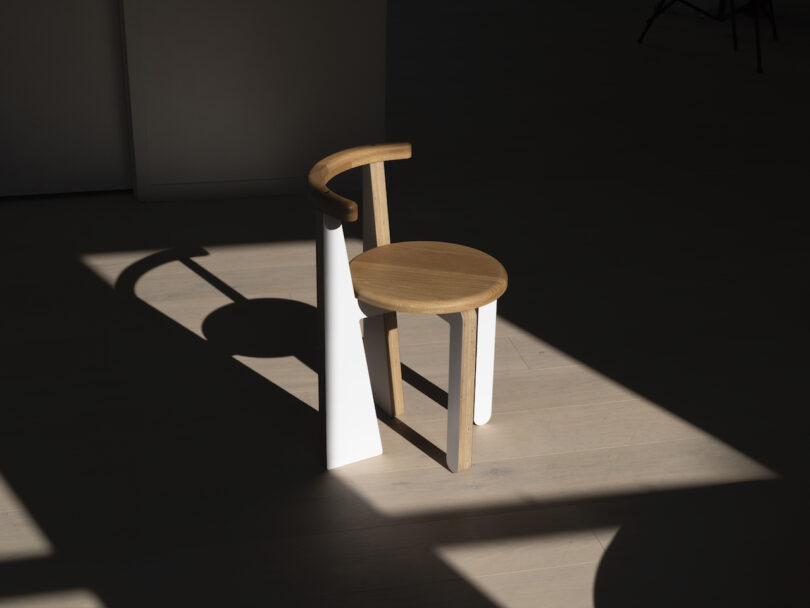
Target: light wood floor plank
433,550
80,598
536,353
439,594
691,462
567,429
517,529
527,390
565,587
20,537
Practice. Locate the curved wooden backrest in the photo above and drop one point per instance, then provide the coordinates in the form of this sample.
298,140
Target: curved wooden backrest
338,206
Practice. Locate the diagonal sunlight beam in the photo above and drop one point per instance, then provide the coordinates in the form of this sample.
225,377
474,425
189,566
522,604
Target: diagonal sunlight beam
564,438
69,598
561,429
20,537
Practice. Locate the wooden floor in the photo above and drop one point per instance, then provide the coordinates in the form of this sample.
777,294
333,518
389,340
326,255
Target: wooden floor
527,526
159,439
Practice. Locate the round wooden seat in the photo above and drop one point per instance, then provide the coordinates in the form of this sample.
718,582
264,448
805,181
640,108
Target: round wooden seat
427,277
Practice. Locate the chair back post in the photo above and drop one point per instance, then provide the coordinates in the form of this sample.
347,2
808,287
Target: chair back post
382,336
376,231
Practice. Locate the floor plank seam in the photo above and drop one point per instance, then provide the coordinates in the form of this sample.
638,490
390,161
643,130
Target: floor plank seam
518,458
599,540
528,505
435,581
517,350
538,369
589,450
420,419
541,569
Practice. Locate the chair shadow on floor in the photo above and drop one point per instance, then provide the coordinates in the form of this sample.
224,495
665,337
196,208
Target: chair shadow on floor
252,327
161,471
726,545
265,327
164,473
272,327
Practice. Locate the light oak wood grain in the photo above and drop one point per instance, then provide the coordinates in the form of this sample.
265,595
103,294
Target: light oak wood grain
574,475
564,587
556,387
430,359
72,598
375,234
427,277
537,353
475,546
436,594
469,332
524,434
376,231
425,329
324,170
289,373
20,537
556,430
605,534
518,540
394,364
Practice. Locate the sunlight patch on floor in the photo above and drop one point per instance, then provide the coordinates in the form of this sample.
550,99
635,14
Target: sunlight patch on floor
74,598
20,537
560,430
562,587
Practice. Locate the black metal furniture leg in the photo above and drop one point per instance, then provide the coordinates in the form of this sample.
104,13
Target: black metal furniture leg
733,25
662,6
772,18
756,29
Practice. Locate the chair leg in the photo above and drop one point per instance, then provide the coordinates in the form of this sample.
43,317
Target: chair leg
461,393
485,362
352,432
381,339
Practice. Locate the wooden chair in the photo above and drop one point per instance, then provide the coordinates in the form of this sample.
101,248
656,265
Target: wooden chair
459,283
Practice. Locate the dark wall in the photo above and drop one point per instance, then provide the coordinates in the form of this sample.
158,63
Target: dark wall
63,119
223,98
648,200
242,97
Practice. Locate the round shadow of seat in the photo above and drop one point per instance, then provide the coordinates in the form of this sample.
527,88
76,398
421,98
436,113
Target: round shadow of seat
741,545
264,327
